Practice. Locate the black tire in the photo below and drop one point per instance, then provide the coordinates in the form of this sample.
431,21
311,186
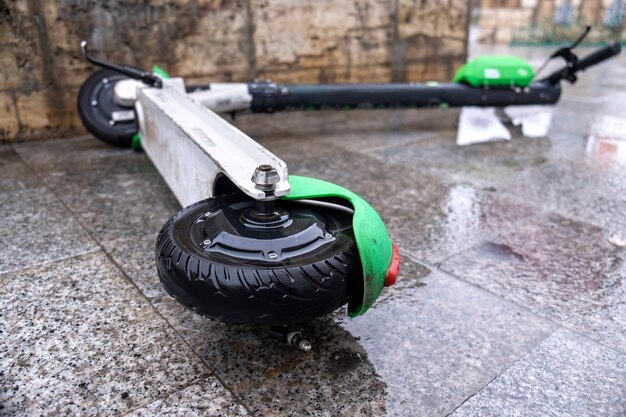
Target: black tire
96,118
294,290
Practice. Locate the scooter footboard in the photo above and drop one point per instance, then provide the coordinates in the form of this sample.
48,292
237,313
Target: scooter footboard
191,146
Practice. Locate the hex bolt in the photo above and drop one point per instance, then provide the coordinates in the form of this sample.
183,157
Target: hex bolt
94,103
265,178
206,242
295,339
272,255
327,235
105,81
304,345
111,122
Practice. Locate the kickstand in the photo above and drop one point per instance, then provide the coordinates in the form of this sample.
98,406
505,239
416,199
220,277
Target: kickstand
286,334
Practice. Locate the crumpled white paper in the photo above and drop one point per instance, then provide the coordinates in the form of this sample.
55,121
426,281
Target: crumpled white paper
534,120
478,125
486,124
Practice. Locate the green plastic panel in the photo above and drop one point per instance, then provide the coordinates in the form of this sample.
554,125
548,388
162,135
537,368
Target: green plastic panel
372,240
496,71
135,144
160,72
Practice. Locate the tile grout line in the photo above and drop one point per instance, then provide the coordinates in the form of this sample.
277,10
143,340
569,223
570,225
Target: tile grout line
556,326
515,362
511,365
543,213
482,388
520,306
584,336
436,266
527,354
416,141
494,234
125,275
436,269
175,392
52,261
551,208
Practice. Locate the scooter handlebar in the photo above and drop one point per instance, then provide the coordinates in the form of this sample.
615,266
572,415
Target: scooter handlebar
599,55
569,72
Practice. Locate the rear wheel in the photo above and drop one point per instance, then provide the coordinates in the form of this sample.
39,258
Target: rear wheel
221,259
97,107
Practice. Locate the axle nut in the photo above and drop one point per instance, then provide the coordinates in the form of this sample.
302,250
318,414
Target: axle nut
265,177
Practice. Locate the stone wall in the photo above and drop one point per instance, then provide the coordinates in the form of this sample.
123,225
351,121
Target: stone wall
550,21
305,41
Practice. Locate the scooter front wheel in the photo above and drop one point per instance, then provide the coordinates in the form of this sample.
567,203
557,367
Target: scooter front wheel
222,259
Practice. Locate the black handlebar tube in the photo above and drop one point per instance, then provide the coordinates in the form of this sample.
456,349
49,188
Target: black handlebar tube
270,97
569,71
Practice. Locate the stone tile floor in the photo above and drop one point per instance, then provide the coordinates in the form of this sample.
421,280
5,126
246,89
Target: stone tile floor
510,299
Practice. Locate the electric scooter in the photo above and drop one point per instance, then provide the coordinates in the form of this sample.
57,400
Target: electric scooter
255,245
105,101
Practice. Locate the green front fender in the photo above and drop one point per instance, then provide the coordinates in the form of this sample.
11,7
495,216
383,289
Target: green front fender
373,243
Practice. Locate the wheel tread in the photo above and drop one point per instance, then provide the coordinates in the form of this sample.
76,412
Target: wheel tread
245,294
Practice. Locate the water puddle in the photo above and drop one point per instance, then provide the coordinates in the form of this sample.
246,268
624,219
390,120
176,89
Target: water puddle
500,251
462,210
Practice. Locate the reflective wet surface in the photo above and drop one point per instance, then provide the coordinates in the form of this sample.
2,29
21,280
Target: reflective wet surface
510,298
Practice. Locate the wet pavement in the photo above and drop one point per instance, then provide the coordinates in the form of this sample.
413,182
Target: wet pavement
510,299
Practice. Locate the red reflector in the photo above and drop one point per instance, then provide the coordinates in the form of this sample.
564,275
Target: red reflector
394,267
